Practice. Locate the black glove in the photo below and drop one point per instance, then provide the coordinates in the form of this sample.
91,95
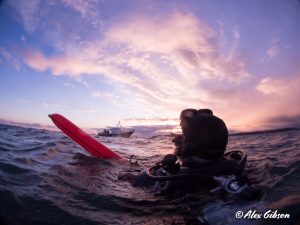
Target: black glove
169,163
177,140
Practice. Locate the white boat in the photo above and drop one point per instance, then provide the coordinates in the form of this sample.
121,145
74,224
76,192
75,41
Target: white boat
117,131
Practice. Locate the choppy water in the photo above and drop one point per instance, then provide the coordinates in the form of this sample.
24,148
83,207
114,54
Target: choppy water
45,178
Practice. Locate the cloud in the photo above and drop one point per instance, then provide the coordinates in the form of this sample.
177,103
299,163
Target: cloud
10,59
104,95
5,54
161,60
137,33
161,73
273,51
58,106
154,120
28,12
23,39
83,82
191,53
221,33
154,65
164,64
87,9
235,45
60,65
69,85
236,33
125,100
270,85
183,40
62,107
58,24
24,101
82,6
165,119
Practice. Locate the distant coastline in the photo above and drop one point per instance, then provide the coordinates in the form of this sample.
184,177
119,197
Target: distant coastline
27,125
144,130
265,131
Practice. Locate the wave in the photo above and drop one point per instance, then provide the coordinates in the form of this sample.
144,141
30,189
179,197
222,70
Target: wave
46,178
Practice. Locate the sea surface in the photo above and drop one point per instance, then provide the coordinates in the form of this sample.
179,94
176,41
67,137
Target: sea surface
47,179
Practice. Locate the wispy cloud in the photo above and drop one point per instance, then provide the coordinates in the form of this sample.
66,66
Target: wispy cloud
270,85
221,33
137,32
87,9
152,120
57,106
235,45
28,12
105,95
159,64
24,101
60,65
164,68
5,54
23,38
272,52
69,85
10,59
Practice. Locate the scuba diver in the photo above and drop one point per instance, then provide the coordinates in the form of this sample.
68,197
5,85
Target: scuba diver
199,157
204,137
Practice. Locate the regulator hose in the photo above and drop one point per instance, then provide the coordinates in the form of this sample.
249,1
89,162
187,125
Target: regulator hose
237,155
171,177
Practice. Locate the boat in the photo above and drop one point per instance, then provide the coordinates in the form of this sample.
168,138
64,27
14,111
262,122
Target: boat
117,131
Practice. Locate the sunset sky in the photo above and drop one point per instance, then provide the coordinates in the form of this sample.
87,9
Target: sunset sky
142,61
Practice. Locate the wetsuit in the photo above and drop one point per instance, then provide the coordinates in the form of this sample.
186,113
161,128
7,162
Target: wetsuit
204,135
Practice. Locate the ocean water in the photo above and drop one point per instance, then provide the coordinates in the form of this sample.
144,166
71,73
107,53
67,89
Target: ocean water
46,178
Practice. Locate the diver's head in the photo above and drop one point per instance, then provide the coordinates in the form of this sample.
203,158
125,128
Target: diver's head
204,130
189,114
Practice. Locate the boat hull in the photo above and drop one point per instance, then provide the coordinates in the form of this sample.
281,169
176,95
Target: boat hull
125,134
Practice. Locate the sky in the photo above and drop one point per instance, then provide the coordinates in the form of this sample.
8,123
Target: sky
141,62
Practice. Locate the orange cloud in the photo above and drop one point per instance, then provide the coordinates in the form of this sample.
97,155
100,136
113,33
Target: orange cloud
170,63
60,65
163,35
163,71
270,85
183,41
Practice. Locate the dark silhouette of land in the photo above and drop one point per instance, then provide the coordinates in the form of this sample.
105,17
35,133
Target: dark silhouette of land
265,131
